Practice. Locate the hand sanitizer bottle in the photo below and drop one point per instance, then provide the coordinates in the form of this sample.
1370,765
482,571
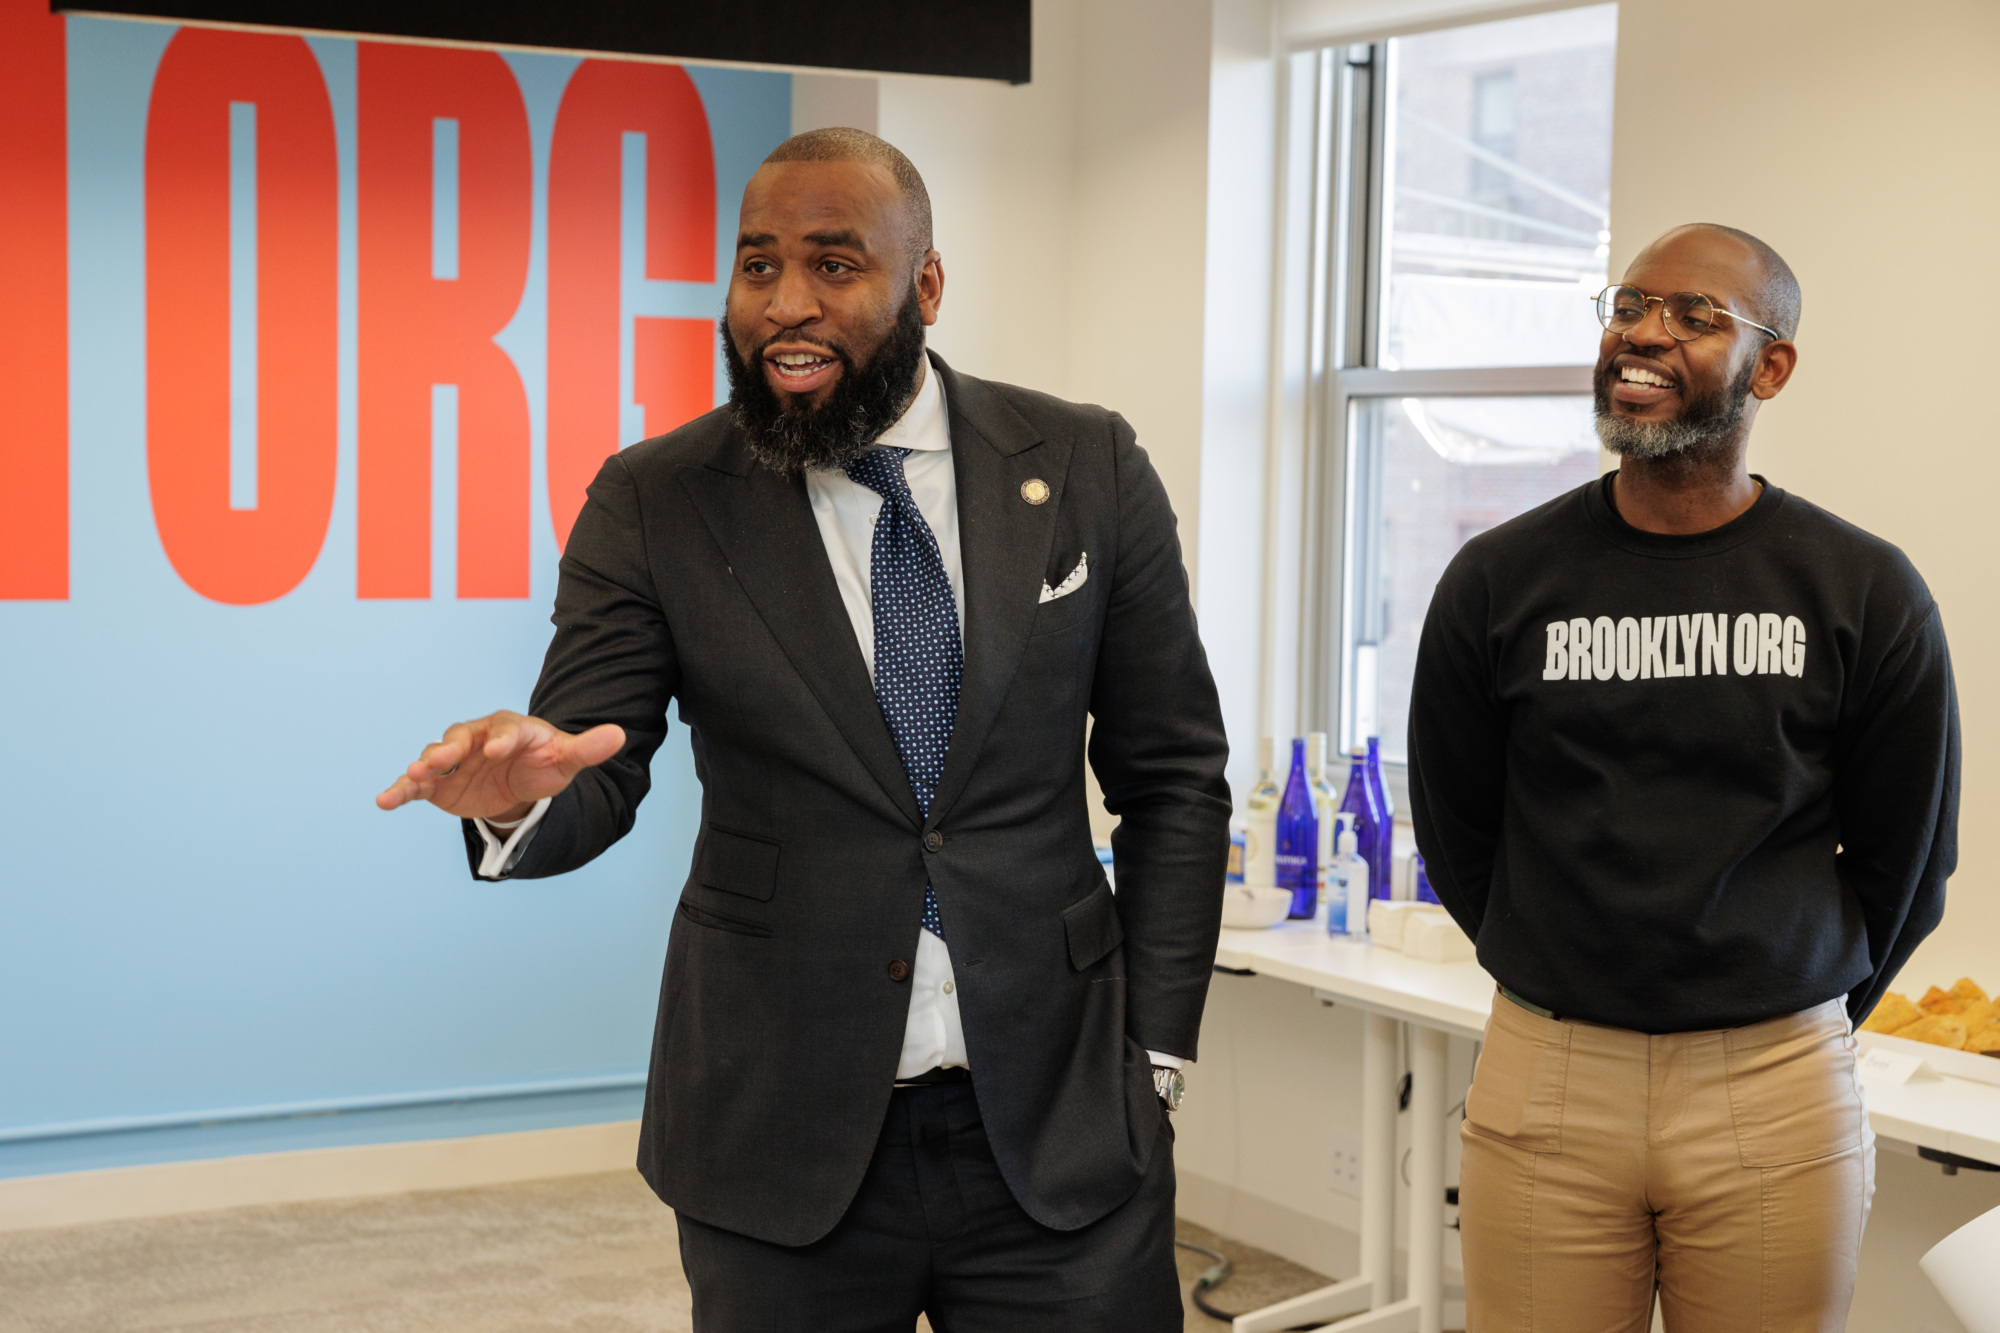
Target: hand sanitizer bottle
1333,871
1260,834
1355,868
1298,839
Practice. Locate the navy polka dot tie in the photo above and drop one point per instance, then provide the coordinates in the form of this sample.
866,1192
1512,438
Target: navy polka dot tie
919,660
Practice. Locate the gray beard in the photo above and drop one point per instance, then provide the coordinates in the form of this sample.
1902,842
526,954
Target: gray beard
1663,439
1703,424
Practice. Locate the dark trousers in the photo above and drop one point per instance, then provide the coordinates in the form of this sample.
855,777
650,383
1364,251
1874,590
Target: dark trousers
934,1229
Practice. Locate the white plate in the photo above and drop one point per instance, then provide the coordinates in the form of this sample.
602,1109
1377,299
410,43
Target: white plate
1959,1064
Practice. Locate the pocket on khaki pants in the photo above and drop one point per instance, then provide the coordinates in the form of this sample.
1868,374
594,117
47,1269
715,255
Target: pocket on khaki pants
1793,1092
1519,1084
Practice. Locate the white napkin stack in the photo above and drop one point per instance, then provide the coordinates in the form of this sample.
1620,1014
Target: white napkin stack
1421,930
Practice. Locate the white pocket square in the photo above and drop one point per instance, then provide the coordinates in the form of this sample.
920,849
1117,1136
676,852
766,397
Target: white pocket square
1069,585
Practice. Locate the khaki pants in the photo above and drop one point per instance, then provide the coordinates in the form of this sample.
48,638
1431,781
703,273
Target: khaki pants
1733,1169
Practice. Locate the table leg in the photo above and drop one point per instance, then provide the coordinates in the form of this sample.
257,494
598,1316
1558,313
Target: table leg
1374,1290
1378,1155
1427,1131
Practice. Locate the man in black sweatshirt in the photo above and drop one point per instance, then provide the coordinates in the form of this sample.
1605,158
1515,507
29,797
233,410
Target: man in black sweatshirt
1684,761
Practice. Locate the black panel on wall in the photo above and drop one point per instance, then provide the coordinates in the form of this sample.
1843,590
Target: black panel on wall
985,39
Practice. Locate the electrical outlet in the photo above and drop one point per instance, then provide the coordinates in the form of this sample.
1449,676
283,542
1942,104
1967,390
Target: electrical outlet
1346,1174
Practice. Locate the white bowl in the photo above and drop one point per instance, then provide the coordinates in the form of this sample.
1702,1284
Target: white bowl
1248,907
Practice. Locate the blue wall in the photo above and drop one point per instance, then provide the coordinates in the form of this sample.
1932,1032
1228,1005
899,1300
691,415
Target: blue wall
211,942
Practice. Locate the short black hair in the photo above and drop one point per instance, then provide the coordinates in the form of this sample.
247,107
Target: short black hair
1776,300
842,143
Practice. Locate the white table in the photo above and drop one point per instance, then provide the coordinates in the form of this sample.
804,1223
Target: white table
1954,1115
1441,1000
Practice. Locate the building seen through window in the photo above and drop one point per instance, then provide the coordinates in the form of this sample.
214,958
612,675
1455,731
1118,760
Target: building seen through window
1499,146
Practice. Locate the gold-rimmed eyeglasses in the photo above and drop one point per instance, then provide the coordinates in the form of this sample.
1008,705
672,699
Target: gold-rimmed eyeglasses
1687,315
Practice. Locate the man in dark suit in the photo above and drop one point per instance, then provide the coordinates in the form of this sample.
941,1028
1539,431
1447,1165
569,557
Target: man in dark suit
912,1053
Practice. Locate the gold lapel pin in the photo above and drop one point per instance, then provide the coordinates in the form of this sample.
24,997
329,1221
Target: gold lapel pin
1035,491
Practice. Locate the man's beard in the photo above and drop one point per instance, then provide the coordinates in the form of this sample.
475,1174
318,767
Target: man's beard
866,400
1705,422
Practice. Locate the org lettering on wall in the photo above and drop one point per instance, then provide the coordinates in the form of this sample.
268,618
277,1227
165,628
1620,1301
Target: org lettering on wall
419,292
1761,643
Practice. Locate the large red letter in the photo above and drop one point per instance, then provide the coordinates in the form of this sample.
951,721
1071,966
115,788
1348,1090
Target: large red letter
232,554
604,101
34,305
673,370
420,327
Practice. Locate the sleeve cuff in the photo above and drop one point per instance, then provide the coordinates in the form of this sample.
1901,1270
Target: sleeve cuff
1161,1060
505,843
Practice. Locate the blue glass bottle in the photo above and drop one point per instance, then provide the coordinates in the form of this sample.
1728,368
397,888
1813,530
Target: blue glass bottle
1369,825
1380,790
1298,839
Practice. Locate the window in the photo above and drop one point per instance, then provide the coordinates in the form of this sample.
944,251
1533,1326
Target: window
1461,199
1429,475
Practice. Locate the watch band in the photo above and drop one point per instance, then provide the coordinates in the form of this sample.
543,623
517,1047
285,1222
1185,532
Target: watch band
1171,1086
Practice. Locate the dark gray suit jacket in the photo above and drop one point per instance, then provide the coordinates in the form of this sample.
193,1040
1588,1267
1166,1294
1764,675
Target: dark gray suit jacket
694,574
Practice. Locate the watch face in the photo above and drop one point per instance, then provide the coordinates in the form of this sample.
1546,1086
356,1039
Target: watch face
1172,1087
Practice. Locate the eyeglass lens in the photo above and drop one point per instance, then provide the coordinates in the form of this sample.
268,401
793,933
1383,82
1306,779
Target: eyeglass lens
1688,314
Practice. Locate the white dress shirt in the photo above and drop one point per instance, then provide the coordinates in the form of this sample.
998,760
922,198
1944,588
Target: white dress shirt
846,511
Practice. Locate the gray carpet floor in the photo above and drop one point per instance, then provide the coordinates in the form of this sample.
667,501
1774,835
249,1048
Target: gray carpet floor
596,1254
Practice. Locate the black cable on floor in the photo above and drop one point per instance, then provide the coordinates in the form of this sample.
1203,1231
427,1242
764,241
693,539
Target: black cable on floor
1211,1279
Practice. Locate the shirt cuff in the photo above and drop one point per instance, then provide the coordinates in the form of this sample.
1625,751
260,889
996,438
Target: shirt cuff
506,842
1161,1060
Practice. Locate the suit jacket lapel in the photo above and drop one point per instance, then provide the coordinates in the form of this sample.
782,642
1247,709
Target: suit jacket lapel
1004,545
765,526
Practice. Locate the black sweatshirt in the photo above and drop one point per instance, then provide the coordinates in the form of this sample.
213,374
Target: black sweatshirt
1673,783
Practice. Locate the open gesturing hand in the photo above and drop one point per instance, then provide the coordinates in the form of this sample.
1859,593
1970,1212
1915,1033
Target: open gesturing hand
498,766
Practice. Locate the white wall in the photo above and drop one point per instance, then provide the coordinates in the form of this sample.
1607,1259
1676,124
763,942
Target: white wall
1136,270
1000,163
1243,461
1071,215
821,101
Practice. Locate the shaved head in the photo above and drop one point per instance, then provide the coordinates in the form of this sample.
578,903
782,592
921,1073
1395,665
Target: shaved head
1772,292
843,144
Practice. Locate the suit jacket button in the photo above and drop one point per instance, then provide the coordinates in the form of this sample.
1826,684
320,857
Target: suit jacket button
899,970
933,841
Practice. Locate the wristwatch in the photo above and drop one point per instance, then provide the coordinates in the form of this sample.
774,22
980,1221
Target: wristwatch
1171,1087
